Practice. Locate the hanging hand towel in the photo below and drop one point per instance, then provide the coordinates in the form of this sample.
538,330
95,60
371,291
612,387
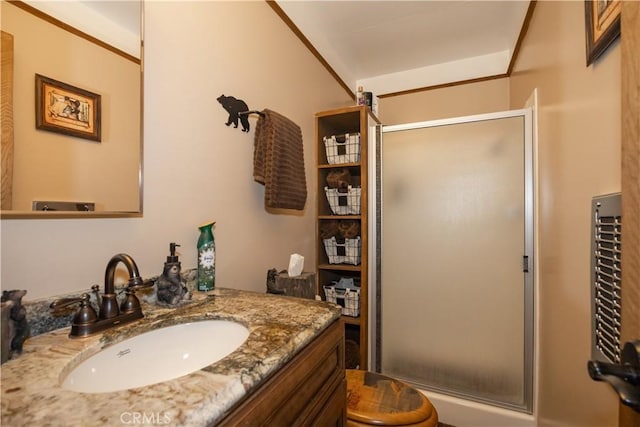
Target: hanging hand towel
278,161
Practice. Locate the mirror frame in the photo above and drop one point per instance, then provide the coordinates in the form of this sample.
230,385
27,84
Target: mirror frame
8,214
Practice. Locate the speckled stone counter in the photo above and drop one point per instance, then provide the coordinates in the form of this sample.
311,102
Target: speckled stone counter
279,328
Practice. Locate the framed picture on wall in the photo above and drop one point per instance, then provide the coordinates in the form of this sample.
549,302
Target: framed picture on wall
67,109
602,19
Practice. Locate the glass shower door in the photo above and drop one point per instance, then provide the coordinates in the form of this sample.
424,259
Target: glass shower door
456,300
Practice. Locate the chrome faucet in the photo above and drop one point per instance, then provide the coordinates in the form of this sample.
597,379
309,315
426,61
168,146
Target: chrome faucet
87,322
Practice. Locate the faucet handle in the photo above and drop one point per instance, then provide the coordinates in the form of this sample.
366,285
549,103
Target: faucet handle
86,314
64,302
131,302
139,283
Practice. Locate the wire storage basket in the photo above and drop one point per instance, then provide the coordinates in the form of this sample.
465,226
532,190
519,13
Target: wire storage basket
344,251
348,299
342,148
344,203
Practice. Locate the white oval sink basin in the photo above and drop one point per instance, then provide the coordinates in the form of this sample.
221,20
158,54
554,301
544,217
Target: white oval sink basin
157,356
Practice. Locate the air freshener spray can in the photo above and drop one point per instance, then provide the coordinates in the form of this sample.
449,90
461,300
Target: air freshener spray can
206,258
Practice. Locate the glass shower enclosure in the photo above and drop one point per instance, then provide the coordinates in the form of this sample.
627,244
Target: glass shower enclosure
454,309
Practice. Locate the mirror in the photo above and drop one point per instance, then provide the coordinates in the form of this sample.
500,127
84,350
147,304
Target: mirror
77,67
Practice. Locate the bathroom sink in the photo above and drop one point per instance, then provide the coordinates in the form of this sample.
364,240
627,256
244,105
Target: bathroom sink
156,356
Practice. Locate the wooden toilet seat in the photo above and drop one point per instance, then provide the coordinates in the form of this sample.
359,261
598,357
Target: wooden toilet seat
375,399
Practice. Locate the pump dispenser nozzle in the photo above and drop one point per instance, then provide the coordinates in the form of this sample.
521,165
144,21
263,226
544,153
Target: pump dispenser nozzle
173,258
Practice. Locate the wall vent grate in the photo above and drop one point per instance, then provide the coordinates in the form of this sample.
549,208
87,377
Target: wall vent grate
606,250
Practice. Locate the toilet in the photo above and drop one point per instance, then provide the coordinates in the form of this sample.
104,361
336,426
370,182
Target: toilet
375,399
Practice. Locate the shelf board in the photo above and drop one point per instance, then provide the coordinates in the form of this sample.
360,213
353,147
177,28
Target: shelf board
339,165
349,320
331,216
337,113
343,267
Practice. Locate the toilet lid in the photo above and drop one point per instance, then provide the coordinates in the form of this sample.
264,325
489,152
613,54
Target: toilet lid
376,399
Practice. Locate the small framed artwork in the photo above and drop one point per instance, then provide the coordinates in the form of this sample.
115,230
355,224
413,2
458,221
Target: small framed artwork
602,19
67,109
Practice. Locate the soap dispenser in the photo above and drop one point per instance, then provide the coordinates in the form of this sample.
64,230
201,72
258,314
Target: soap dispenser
171,289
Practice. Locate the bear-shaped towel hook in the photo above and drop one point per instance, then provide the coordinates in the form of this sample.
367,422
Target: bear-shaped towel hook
234,107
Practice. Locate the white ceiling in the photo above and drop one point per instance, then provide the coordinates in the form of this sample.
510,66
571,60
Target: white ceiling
394,46
115,22
386,46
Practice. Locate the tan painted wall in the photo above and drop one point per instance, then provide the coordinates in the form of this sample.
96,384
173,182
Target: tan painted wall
463,100
579,157
52,166
195,167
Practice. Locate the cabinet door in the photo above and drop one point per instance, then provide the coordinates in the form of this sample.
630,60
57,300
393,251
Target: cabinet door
307,389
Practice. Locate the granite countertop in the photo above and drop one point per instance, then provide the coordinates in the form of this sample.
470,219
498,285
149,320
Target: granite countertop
278,326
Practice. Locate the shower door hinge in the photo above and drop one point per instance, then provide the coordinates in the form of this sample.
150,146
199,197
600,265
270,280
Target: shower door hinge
525,263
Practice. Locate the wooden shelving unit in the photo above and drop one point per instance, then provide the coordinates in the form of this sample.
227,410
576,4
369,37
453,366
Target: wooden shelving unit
342,121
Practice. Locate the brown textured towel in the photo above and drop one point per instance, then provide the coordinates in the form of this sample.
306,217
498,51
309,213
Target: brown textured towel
278,161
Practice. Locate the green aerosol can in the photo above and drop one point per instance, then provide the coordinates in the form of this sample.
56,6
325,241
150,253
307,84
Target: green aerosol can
206,258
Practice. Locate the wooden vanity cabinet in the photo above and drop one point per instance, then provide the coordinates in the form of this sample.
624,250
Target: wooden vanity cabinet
309,390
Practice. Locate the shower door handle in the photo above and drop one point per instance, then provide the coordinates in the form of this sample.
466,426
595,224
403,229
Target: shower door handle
623,377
